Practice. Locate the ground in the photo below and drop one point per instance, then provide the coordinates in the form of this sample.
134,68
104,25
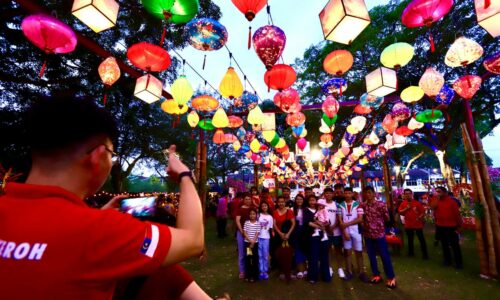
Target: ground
417,279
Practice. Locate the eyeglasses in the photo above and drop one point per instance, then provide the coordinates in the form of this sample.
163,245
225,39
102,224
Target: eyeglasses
114,155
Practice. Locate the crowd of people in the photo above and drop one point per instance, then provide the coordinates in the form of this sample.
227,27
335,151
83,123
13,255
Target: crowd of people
314,237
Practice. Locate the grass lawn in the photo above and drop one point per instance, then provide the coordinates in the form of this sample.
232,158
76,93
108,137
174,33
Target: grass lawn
417,279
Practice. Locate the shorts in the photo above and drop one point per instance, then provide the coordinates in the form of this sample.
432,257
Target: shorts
356,241
335,240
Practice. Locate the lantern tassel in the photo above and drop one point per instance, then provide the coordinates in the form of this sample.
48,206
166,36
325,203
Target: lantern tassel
431,40
163,36
487,4
249,36
44,65
268,84
204,61
105,98
340,90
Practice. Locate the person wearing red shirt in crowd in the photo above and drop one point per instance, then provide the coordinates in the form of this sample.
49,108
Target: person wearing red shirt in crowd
254,192
448,223
284,224
265,197
413,211
52,245
242,215
375,215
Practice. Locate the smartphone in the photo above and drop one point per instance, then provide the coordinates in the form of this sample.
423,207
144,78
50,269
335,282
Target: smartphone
139,207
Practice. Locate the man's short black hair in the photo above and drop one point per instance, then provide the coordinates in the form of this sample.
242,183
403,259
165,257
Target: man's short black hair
286,188
308,188
368,188
348,189
338,186
265,190
407,190
54,123
442,188
327,190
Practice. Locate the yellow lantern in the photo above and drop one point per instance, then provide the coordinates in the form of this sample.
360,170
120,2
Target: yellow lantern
381,82
255,116
255,146
431,82
230,86
181,90
171,107
236,145
303,133
412,94
268,135
96,14
148,88
343,20
364,161
488,17
352,129
281,143
220,119
397,55
193,119
462,52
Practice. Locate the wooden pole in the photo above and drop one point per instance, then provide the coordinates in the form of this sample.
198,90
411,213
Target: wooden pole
387,184
201,169
256,176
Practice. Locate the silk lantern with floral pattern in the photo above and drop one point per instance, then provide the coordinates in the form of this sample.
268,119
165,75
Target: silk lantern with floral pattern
371,100
462,52
445,95
431,82
400,112
109,71
467,86
492,63
334,86
269,42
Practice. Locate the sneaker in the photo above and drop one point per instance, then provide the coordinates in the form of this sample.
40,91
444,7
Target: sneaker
300,275
362,276
341,273
376,279
325,238
242,275
391,283
316,233
331,272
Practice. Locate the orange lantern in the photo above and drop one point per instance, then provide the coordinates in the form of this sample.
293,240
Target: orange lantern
338,62
296,119
431,82
235,122
389,124
326,140
362,110
109,73
219,137
230,138
205,103
280,77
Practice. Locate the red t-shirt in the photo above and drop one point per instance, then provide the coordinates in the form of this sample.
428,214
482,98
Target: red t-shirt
412,220
52,246
279,219
269,201
235,206
447,213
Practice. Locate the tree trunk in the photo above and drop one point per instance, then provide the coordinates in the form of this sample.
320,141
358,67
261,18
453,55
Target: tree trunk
399,176
446,170
116,178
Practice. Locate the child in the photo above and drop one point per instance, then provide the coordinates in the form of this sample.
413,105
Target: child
266,223
251,231
321,219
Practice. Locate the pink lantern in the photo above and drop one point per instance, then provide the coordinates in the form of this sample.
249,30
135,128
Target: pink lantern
302,143
424,12
330,106
230,138
492,64
400,112
269,42
287,99
296,119
467,86
389,124
49,34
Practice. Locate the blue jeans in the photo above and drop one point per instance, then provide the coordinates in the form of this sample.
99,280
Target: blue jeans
263,255
241,251
318,254
380,244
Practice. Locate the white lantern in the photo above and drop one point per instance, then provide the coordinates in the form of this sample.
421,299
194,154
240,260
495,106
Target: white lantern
398,140
414,124
96,14
148,88
358,122
381,82
488,17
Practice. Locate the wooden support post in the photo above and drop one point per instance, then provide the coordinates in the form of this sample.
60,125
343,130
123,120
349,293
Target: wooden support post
256,176
387,184
201,169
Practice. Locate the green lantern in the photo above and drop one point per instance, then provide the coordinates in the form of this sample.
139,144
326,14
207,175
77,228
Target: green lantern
429,115
206,125
329,121
275,140
176,11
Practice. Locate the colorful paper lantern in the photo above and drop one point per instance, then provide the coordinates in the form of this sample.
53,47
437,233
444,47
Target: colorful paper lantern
429,116
287,100
445,95
492,63
206,125
148,88
343,20
488,16
296,119
269,42
176,11
109,71
414,124
234,121
255,116
412,94
404,131
205,103
371,100
400,112
193,119
181,90
249,7
148,57
397,55
49,34
334,86
280,77
431,82
220,120
338,62
362,110
462,52
206,34
381,81
330,106
230,86
467,86
99,15
171,107
389,124
219,137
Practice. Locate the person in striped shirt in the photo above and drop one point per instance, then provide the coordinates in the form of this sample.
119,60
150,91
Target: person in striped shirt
251,230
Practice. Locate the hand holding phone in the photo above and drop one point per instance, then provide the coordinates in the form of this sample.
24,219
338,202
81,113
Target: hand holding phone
139,207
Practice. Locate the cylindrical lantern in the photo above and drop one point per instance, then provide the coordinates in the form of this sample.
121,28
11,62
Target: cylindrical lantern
381,82
148,88
96,14
230,86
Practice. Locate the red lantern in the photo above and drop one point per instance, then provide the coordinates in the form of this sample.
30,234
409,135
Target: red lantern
389,124
219,137
296,119
149,57
269,42
404,131
362,110
338,62
330,106
467,86
287,100
235,121
249,7
280,77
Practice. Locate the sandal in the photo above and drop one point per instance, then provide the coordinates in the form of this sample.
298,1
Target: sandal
391,283
376,279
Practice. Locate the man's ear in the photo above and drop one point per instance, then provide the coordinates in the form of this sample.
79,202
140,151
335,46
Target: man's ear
93,159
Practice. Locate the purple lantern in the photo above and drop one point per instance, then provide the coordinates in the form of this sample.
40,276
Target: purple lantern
445,95
334,86
269,42
400,112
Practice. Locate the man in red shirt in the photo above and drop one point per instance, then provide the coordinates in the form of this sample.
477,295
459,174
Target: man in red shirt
413,211
53,246
448,223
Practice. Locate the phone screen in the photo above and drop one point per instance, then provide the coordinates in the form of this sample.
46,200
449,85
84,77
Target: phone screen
139,207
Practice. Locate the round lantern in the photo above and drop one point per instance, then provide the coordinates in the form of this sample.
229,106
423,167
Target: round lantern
330,106
206,34
176,11
412,94
431,82
249,7
287,99
193,119
445,95
148,57
492,64
467,86
414,124
334,86
171,107
296,119
462,52
248,100
206,125
280,77
389,124
181,90
397,55
358,122
219,137
371,101
362,110
230,138
234,121
109,71
220,119
302,144
230,86
400,112
338,62
269,42
49,34
404,131
429,115
205,103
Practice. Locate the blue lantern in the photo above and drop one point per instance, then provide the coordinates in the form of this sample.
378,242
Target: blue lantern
445,95
334,86
371,101
206,34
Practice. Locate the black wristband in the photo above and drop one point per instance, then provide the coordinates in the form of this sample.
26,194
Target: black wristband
186,173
